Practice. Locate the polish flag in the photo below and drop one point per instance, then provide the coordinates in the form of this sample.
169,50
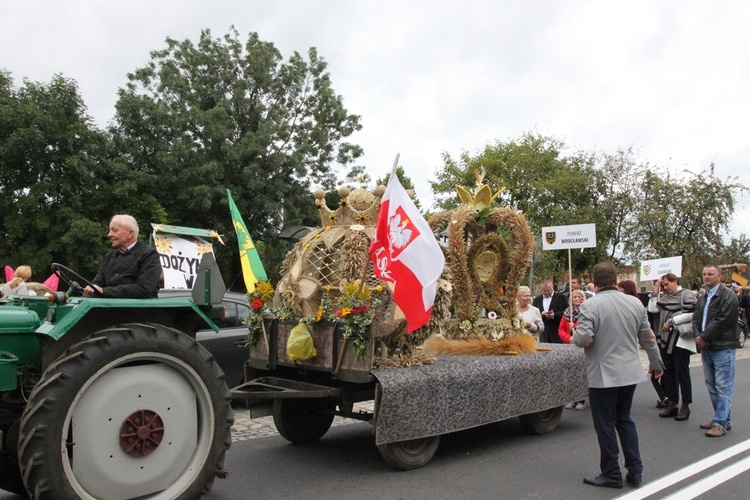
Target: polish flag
404,251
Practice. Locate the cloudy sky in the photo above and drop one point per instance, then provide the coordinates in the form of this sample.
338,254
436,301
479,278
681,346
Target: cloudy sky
669,78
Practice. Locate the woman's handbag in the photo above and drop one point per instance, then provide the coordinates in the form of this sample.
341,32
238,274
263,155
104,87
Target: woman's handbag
684,326
683,323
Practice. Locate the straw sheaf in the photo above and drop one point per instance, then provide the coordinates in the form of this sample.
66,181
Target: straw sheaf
418,358
398,351
462,223
440,220
354,256
440,309
482,346
522,247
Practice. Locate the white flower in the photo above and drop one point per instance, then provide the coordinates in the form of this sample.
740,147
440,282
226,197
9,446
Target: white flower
492,315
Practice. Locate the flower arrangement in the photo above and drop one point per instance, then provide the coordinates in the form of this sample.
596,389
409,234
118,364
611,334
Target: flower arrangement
357,306
258,299
324,313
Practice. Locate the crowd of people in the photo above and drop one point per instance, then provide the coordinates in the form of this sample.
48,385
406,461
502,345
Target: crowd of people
611,320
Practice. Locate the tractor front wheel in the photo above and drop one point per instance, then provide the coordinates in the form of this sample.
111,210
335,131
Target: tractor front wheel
135,411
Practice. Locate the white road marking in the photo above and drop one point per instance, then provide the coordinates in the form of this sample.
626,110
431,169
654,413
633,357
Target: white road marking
686,472
712,481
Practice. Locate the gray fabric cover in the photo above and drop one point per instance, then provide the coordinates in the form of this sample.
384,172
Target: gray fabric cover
461,392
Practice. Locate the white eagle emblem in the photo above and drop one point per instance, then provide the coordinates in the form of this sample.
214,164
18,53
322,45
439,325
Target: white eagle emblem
399,235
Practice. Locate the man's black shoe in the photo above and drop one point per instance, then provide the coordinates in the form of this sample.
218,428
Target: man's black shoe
634,479
603,481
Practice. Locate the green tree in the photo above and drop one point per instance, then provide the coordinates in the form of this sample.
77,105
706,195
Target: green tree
686,216
356,177
548,186
405,180
200,118
736,251
620,202
54,167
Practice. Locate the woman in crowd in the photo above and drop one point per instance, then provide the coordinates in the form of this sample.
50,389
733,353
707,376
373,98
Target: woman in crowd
531,316
668,301
568,323
628,288
17,286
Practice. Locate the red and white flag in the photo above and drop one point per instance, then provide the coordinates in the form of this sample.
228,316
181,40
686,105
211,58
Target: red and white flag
404,251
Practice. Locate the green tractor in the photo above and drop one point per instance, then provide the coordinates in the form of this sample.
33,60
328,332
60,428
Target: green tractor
111,398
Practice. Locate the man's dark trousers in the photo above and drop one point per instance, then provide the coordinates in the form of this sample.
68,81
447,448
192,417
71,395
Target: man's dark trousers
610,409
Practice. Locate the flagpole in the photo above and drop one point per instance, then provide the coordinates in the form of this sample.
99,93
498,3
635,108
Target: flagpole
570,280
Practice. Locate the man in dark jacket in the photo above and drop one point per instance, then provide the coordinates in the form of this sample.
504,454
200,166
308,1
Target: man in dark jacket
132,270
552,306
715,323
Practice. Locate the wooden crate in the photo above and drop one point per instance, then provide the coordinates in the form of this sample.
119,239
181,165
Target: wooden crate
322,334
328,339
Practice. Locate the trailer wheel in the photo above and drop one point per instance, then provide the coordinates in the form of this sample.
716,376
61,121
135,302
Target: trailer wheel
130,412
542,422
302,421
411,454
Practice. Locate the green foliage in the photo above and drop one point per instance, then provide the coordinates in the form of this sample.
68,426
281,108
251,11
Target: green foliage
201,117
620,176
736,251
550,188
357,177
216,114
405,181
640,211
684,216
54,166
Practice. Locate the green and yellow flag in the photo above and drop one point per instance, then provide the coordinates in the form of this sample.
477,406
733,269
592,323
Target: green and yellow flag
252,268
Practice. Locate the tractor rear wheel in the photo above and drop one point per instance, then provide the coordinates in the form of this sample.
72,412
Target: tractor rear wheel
135,411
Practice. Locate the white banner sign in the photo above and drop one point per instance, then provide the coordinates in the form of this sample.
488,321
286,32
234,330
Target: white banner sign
652,269
180,256
562,237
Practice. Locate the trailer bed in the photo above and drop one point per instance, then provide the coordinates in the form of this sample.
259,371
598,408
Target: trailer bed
461,392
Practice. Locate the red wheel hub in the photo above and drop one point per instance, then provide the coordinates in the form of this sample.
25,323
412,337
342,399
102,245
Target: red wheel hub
141,433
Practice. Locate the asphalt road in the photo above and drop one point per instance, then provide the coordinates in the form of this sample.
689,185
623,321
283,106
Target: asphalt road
500,461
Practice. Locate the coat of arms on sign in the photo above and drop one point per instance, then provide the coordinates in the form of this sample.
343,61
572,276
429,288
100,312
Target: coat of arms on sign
550,237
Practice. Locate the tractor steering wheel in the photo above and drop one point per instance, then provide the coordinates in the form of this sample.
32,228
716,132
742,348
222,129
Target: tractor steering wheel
69,276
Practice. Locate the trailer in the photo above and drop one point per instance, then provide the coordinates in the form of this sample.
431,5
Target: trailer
413,406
